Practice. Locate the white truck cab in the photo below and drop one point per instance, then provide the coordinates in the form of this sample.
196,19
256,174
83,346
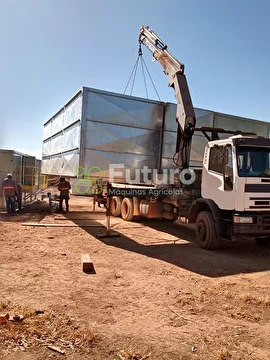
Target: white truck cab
236,179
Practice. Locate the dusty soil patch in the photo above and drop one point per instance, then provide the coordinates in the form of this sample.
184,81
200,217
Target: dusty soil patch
155,294
40,327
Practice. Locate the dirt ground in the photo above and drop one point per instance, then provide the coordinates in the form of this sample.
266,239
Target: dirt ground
154,293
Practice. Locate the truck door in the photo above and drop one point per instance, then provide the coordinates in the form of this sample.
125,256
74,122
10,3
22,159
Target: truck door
218,177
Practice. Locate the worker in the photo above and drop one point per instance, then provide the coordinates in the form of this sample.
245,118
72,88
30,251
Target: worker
64,187
19,197
10,191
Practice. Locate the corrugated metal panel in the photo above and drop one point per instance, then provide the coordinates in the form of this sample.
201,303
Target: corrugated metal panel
104,161
203,117
65,117
73,111
121,139
58,123
122,110
46,148
61,139
71,137
66,140
46,166
47,130
230,122
65,164
196,155
56,144
170,123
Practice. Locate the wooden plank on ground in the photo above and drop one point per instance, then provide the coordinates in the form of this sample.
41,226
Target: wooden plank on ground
87,265
60,225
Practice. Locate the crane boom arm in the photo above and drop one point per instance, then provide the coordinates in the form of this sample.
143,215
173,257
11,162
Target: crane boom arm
185,114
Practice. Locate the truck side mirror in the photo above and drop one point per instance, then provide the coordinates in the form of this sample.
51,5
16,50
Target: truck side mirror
225,156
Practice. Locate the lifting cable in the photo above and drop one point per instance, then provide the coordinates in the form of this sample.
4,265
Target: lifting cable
134,72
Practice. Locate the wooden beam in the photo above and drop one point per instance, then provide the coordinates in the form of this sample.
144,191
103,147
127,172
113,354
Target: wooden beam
60,225
87,265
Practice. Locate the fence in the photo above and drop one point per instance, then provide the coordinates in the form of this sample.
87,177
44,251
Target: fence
32,182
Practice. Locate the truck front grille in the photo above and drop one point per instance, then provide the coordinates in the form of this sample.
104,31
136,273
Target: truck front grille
260,203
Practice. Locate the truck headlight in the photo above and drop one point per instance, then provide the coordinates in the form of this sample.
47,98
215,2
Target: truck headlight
243,219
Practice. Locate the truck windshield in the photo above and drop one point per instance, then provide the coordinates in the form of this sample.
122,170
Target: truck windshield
253,162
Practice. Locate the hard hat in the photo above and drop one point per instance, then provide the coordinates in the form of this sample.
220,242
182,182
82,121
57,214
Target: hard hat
9,175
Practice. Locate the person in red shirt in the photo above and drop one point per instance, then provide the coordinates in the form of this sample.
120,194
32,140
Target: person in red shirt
10,191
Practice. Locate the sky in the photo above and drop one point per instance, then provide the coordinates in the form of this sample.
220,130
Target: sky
52,48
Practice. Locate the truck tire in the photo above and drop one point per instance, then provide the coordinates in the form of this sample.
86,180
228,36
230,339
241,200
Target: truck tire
116,206
127,209
143,208
205,231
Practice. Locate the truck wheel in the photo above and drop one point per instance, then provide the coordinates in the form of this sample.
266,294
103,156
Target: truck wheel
127,209
205,231
116,206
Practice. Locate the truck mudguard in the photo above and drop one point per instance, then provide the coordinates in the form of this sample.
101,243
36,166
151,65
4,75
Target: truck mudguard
201,204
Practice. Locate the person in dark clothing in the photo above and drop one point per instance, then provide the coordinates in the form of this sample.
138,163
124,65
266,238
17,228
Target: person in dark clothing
64,187
10,191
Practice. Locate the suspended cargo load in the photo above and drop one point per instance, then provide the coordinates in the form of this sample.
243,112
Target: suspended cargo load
97,128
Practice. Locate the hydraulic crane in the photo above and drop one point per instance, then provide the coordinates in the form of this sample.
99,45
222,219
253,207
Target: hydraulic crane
185,114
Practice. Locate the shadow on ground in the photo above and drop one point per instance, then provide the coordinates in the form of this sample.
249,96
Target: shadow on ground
230,259
35,211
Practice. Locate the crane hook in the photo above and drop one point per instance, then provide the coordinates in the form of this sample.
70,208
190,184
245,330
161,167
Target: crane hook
140,49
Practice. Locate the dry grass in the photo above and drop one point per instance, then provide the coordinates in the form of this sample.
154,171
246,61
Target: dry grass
247,306
231,344
38,327
262,301
132,355
223,354
242,313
